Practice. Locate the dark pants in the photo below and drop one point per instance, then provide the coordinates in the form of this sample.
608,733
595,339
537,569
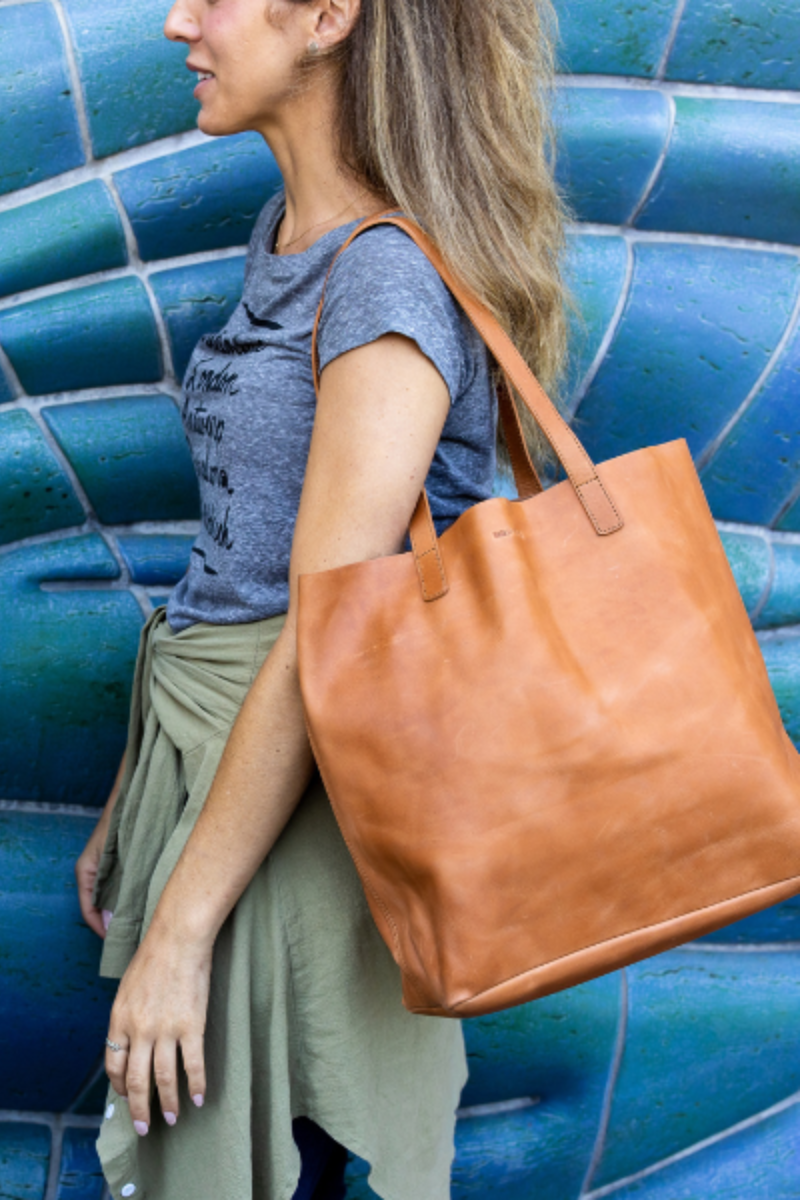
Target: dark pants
322,1163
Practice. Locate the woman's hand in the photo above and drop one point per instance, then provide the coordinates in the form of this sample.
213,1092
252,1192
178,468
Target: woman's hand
87,865
161,1005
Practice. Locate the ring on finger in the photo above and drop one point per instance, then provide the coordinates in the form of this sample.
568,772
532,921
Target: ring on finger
115,1046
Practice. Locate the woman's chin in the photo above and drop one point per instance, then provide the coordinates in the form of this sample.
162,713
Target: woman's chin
217,125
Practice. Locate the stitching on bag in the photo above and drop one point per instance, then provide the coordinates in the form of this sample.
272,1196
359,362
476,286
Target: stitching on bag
433,549
601,528
620,936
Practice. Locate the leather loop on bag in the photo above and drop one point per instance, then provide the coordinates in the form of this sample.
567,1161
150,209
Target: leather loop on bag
575,760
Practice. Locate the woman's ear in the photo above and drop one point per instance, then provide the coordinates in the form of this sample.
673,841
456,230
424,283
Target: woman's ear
334,20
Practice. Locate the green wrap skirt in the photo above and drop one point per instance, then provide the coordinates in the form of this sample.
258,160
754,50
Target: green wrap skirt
305,1015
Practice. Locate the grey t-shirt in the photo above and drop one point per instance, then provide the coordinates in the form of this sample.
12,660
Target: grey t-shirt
248,405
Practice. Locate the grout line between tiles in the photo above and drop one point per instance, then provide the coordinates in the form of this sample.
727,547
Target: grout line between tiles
76,82
608,337
611,1083
672,36
657,169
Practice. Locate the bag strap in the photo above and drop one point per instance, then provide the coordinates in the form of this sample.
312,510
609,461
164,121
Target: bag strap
580,469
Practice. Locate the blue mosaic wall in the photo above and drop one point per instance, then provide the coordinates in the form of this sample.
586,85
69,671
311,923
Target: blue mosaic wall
122,235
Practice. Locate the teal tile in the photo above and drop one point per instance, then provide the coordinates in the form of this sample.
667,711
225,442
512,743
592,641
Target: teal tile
199,199
782,656
24,1160
789,521
713,1038
733,168
557,1051
595,273
53,1006
196,300
130,455
66,661
750,556
610,140
759,1163
39,134
757,467
74,232
35,494
750,43
80,1176
613,37
781,923
783,605
699,326
156,559
6,392
135,82
95,336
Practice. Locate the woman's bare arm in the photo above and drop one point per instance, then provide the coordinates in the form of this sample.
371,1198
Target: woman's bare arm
379,418
87,865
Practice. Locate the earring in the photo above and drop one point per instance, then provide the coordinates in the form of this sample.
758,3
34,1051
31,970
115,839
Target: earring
313,48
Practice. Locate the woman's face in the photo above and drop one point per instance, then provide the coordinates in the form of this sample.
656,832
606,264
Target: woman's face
250,49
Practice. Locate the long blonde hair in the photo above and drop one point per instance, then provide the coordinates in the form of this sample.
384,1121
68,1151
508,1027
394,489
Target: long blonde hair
446,110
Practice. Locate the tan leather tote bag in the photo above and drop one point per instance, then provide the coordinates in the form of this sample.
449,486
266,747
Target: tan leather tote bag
548,736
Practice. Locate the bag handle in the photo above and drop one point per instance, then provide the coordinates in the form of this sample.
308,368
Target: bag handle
580,469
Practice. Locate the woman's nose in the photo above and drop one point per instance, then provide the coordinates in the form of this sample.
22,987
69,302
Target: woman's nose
180,25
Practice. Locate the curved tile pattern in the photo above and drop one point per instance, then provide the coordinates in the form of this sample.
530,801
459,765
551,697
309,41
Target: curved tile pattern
39,134
746,42
610,140
74,232
51,1021
195,300
614,37
206,198
35,494
759,1163
66,661
699,327
24,1160
712,1040
156,559
71,339
131,457
135,82
722,176
596,276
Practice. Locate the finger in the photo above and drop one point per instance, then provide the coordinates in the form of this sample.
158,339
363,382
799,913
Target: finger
91,915
195,1067
165,1067
117,1062
137,1082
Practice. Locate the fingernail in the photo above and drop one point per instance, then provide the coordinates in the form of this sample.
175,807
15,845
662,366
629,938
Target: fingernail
170,1118
141,1127
198,1100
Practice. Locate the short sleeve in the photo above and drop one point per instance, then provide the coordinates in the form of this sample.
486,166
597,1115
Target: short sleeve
383,283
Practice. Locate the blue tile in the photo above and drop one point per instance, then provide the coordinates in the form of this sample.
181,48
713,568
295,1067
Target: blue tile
757,467
595,272
733,167
746,42
53,1006
613,37
74,232
80,1176
88,337
559,1051
782,656
156,559
66,661
131,457
135,82
759,1163
699,326
196,300
6,393
713,1038
199,199
24,1161
783,605
750,556
781,923
610,140
35,494
39,134
789,521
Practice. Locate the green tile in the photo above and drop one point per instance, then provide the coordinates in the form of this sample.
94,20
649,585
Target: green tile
35,494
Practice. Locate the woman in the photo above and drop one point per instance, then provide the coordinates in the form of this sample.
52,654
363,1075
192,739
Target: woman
257,999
